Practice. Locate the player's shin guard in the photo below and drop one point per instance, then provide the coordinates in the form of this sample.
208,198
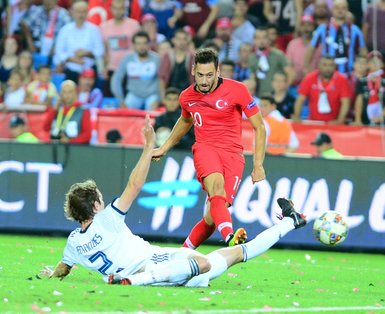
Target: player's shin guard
221,216
174,272
200,233
218,267
266,239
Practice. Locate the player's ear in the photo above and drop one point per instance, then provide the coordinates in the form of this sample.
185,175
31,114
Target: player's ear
193,70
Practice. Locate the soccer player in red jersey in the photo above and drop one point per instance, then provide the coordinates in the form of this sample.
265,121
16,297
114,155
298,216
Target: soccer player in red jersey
214,105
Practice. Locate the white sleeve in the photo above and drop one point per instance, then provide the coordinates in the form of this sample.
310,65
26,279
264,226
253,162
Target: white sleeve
69,254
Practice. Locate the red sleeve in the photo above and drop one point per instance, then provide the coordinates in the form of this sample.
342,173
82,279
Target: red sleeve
85,130
346,91
185,113
304,87
248,104
49,116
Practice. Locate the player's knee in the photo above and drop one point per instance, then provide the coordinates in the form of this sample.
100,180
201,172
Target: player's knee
203,264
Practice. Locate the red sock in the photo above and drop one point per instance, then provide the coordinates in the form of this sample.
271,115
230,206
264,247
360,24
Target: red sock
221,215
200,233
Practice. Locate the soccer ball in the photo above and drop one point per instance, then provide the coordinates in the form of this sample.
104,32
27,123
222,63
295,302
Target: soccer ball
331,228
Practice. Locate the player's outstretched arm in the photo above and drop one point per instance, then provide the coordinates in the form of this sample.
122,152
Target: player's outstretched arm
258,173
180,129
139,174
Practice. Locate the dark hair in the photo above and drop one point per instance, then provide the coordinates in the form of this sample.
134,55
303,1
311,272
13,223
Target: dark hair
262,28
44,67
113,136
180,30
141,34
228,62
80,199
172,90
268,97
210,43
327,57
271,25
281,73
205,56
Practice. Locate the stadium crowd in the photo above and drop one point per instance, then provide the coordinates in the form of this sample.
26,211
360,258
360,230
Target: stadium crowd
319,60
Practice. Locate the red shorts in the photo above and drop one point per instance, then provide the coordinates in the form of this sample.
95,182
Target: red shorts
208,159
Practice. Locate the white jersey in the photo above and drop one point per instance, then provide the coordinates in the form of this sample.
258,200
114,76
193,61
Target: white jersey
108,245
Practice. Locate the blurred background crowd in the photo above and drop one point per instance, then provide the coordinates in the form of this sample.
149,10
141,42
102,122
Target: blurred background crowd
313,60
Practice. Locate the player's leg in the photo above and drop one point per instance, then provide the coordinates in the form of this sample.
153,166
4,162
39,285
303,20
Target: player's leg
222,259
201,231
214,184
171,268
233,165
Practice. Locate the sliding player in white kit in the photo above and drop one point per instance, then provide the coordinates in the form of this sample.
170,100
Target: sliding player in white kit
105,244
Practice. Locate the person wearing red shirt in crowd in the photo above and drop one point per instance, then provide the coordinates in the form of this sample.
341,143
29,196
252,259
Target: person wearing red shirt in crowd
69,122
328,92
214,106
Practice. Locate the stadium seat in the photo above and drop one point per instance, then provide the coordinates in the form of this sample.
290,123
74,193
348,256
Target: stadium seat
39,60
57,79
110,103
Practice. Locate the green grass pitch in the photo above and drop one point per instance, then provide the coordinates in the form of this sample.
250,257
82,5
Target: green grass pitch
279,281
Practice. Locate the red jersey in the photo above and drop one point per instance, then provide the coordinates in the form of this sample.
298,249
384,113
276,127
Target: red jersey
337,87
218,115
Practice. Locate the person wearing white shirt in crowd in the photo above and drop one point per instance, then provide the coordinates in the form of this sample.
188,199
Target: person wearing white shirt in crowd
15,92
79,45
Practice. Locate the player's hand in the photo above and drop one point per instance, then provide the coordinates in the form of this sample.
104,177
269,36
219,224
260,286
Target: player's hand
46,272
148,133
258,174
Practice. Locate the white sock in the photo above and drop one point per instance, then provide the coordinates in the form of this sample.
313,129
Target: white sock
266,239
174,271
218,267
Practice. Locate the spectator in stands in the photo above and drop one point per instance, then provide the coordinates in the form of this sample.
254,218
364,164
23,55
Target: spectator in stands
272,34
2,93
374,25
325,148
41,91
8,59
79,44
251,86
320,11
68,122
89,95
267,61
286,16
297,48
328,93
167,13
150,26
200,15
15,92
19,131
25,67
117,35
280,136
283,100
242,70
360,70
175,66
141,69
114,136
339,39
165,122
226,68
243,30
223,39
41,26
13,15
370,100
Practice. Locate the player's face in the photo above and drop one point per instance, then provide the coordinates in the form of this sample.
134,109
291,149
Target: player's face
206,77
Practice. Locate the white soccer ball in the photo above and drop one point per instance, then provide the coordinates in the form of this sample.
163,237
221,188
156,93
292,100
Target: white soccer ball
330,228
